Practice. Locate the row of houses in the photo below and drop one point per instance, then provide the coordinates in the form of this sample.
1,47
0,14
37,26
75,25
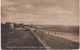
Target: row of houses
49,32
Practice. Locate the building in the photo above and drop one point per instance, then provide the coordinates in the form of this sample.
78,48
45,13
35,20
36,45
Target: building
9,25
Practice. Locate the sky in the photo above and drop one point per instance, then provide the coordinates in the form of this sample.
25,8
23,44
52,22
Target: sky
40,12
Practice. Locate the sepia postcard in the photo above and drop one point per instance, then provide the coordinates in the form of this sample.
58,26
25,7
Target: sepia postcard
39,24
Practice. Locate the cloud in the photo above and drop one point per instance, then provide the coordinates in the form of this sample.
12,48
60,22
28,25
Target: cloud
46,12
10,8
7,3
55,9
28,6
17,17
56,12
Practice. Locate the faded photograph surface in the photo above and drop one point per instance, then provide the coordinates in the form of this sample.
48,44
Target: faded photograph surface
40,24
